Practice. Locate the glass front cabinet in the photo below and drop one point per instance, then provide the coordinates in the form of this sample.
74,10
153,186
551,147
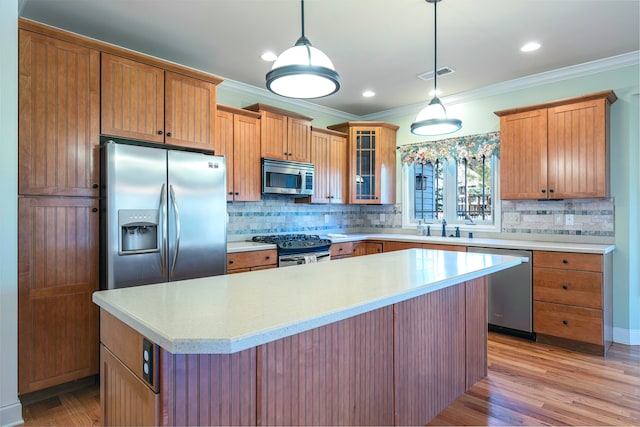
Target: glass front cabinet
372,161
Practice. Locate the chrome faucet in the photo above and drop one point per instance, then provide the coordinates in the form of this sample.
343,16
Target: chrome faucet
444,227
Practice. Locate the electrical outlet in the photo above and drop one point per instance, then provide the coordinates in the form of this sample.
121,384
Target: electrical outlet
382,217
559,219
568,219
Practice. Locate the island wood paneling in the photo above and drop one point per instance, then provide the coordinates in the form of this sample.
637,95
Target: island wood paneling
59,122
208,389
429,361
126,400
338,374
477,319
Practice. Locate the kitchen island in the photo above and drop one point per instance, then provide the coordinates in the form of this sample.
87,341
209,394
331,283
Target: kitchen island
384,339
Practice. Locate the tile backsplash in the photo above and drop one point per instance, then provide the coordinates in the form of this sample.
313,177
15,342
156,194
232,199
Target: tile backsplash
280,214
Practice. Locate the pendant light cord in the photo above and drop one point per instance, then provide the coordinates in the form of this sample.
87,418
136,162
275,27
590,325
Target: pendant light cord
435,49
302,13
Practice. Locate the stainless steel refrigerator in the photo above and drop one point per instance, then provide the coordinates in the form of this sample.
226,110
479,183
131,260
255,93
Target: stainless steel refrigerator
164,215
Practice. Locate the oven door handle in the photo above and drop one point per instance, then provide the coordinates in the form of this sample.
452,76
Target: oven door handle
298,257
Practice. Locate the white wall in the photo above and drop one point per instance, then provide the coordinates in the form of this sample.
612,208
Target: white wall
10,408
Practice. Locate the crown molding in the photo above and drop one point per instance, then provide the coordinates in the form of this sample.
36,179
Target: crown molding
264,94
571,72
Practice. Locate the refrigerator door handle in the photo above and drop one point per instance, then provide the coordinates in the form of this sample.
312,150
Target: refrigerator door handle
172,195
162,213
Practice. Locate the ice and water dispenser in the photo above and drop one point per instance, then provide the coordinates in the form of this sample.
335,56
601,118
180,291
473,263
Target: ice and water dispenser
138,231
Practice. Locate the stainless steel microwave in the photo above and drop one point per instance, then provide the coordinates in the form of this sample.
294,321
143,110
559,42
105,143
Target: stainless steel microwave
286,177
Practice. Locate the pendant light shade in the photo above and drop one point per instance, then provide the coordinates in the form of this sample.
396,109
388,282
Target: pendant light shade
303,71
433,120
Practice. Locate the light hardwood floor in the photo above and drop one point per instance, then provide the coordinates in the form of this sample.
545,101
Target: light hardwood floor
528,384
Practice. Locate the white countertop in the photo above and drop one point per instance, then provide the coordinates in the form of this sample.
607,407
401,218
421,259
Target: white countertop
226,314
483,242
233,247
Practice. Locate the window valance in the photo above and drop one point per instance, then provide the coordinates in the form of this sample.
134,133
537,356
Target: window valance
465,147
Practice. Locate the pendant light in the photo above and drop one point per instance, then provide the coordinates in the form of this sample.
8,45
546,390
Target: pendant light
303,71
433,120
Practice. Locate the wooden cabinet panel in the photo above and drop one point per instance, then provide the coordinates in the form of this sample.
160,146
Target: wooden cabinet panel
338,169
252,259
320,157
567,321
568,260
224,146
190,111
59,112
299,139
523,155
342,250
578,145
132,101
274,135
58,272
398,246
583,288
124,398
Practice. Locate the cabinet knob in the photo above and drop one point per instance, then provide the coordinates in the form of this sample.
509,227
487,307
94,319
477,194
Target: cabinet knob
565,287
268,257
160,132
339,249
94,210
231,193
237,194
544,191
95,186
285,153
230,261
565,261
551,190
565,322
168,133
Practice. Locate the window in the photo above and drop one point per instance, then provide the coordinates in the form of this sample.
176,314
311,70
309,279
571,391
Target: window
460,192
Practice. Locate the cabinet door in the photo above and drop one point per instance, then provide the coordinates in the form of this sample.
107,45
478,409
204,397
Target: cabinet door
578,150
59,117
273,135
365,166
320,148
224,145
299,139
387,165
338,169
523,155
246,159
132,99
58,272
190,111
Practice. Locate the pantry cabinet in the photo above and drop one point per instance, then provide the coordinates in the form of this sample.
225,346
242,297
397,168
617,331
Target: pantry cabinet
372,161
556,150
285,135
59,117
144,102
572,295
238,139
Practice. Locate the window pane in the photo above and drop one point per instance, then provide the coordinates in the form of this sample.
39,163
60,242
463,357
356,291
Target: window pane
474,184
428,202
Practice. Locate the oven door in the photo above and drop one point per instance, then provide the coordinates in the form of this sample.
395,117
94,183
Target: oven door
287,260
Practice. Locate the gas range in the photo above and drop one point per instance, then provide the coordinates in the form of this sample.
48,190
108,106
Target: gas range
298,248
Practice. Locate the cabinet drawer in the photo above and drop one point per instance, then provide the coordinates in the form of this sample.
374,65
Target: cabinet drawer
568,261
576,323
339,250
252,259
583,288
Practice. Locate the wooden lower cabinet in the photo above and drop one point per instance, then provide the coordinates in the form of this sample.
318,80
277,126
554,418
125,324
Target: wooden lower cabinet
241,262
398,246
351,249
58,272
398,365
572,295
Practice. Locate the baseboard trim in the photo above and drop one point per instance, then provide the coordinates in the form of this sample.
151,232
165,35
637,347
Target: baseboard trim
11,415
626,336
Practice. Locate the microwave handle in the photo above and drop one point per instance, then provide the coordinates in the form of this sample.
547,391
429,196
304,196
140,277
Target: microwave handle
299,183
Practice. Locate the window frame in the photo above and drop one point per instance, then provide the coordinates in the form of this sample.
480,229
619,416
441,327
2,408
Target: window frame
449,201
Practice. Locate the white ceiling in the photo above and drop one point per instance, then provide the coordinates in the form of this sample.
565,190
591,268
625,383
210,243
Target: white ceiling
381,45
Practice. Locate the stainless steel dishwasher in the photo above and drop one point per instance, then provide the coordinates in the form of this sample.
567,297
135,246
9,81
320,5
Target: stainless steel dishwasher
510,294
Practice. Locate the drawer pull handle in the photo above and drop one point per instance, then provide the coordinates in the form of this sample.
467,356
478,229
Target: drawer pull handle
565,322
565,287
564,261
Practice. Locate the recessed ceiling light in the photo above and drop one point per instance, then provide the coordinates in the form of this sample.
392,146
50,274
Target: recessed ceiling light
530,47
368,93
269,56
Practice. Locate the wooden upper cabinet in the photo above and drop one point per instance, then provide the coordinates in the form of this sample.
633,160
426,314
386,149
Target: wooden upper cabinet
285,135
57,274
557,150
190,111
59,117
132,99
238,139
372,161
144,102
523,155
338,168
329,157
